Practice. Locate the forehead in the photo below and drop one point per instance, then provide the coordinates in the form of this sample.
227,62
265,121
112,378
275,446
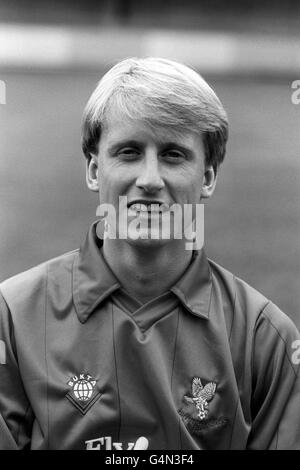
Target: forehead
119,127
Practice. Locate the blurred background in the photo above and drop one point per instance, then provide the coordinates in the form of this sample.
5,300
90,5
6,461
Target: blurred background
51,56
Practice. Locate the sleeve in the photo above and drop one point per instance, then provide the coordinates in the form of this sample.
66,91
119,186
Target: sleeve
275,400
16,416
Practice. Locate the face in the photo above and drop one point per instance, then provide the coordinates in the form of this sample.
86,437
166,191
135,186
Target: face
154,169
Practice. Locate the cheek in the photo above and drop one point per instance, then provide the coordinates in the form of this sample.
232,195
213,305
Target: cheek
113,181
187,185
196,182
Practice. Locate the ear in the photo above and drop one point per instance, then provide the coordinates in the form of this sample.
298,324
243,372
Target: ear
92,173
209,182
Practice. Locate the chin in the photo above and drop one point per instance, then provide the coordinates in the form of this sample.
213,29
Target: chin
147,241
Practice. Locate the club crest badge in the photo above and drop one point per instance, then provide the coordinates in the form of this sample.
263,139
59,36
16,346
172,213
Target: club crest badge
201,396
83,392
195,412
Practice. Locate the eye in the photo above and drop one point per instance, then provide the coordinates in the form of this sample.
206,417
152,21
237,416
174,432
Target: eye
173,155
128,153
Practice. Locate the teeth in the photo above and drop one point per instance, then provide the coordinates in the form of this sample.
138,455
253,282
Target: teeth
139,207
153,207
164,207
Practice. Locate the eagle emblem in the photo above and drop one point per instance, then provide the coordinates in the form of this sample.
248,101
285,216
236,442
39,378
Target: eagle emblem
201,396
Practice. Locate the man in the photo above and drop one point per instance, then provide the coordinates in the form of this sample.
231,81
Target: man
137,341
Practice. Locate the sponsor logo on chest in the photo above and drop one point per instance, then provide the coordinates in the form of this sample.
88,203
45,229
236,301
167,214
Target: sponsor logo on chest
106,443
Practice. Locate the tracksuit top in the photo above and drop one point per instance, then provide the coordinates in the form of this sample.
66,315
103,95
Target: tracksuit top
210,364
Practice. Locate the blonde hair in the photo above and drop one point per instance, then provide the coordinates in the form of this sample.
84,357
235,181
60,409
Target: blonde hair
159,92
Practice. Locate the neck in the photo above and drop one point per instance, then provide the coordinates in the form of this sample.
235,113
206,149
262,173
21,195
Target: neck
146,272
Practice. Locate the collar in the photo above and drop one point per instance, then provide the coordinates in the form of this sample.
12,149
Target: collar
93,280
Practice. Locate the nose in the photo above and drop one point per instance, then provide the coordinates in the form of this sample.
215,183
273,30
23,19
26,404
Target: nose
149,178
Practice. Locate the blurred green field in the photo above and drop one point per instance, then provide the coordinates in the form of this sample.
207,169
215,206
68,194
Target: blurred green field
251,224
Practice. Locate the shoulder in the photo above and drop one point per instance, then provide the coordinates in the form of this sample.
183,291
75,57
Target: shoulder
264,341
244,297
26,289
249,306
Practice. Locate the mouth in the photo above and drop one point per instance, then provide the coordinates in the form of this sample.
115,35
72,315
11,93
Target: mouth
147,207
